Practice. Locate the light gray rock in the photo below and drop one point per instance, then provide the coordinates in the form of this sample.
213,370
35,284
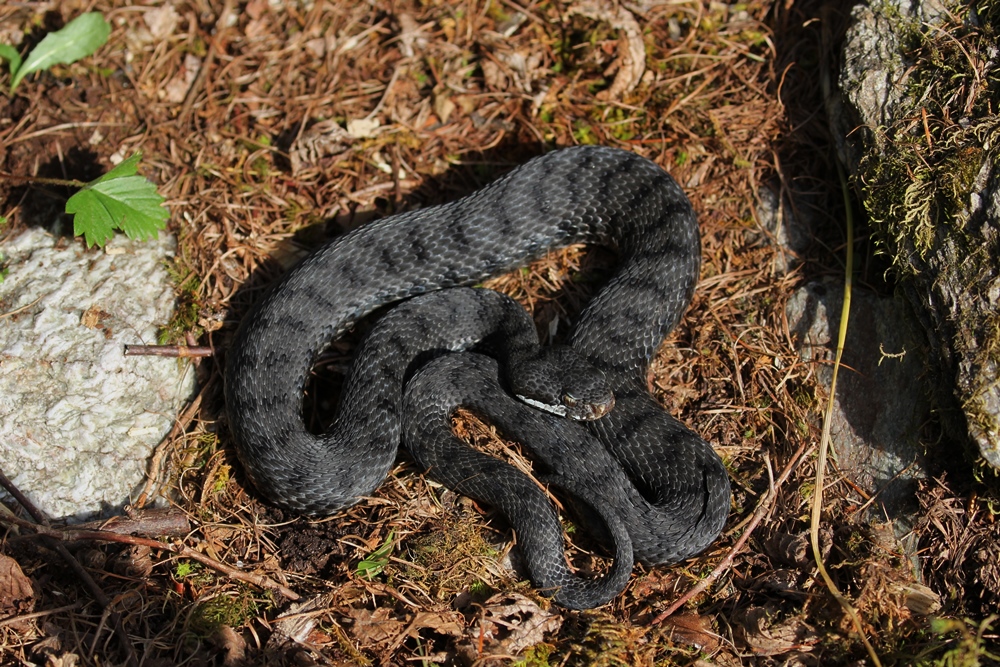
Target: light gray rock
946,242
78,419
882,394
790,233
881,401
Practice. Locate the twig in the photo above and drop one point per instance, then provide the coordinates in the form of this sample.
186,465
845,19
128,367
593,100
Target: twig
146,522
206,64
181,351
38,614
180,425
74,534
762,510
16,138
42,526
40,180
11,313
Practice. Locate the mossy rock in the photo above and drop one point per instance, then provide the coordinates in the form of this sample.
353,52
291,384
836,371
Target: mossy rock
918,124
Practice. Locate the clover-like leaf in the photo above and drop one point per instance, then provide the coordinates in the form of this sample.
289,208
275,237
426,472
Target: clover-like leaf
120,199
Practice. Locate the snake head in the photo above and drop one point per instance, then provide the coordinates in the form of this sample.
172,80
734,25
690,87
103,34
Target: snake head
559,380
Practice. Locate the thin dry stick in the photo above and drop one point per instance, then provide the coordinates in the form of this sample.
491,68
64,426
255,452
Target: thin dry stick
96,591
199,80
72,535
13,620
762,510
182,351
61,182
11,313
824,443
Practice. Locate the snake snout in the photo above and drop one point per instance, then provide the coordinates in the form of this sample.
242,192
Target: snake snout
587,410
560,380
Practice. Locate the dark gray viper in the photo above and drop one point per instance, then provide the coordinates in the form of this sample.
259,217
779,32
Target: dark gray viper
654,489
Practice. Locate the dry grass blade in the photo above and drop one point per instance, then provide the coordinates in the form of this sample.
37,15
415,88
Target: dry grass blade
824,443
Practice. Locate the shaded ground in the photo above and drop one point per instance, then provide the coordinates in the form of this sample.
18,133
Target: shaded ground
258,122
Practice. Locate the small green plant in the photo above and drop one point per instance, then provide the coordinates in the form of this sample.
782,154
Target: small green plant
183,569
224,610
968,645
536,656
375,563
77,39
120,199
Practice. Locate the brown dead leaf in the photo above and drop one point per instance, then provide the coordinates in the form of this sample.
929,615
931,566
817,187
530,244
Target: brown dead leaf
754,627
509,623
917,598
135,561
17,595
495,78
443,106
232,644
445,623
693,629
375,626
631,61
64,660
295,625
795,549
442,623
325,139
93,316
782,581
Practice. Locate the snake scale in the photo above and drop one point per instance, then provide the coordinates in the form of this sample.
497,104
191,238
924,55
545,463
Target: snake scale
660,492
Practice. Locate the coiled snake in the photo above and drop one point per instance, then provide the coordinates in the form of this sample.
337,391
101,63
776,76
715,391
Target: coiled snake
660,490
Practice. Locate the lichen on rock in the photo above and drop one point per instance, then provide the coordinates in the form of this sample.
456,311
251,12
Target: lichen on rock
921,92
78,419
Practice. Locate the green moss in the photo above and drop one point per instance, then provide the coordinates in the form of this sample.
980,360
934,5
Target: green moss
920,173
450,561
584,133
230,610
622,123
965,645
185,317
536,656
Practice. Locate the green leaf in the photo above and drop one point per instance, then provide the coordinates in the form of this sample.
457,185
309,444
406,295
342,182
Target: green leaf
77,39
372,566
13,58
127,167
119,199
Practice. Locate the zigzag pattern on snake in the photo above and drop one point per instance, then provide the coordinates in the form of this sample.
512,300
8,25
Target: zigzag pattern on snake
665,485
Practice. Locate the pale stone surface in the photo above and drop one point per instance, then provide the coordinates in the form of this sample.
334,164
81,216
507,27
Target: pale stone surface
954,284
78,419
881,402
882,399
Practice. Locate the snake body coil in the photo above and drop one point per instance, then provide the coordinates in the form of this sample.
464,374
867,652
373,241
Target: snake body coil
673,493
